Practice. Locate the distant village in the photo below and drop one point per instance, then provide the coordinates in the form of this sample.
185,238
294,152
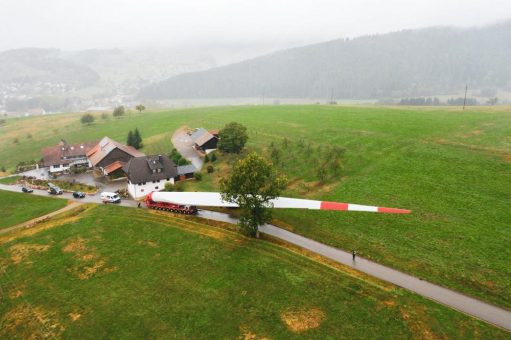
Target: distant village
128,167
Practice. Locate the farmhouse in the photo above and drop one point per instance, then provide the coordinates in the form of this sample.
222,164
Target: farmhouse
110,156
149,173
62,157
204,140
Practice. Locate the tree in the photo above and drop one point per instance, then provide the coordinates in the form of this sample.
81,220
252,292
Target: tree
210,169
252,184
233,138
140,108
87,119
206,159
213,157
119,111
129,140
104,115
137,139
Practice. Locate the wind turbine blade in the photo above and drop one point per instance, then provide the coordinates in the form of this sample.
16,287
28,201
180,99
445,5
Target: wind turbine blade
214,199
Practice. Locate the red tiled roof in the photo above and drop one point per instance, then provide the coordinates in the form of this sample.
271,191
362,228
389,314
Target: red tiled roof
63,153
113,167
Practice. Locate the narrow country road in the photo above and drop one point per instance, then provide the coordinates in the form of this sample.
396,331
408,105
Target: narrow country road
476,308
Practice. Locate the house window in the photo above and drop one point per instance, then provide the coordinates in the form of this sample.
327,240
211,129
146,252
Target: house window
155,188
139,184
141,190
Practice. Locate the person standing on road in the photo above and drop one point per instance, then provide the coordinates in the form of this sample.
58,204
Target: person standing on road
354,253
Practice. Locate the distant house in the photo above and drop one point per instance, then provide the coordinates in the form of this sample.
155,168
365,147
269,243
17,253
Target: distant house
149,173
204,140
64,156
110,156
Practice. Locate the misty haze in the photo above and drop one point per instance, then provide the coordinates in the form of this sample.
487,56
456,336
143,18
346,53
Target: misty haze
268,169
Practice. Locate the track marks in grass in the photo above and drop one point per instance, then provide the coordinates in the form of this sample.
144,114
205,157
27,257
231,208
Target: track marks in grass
20,252
89,262
36,321
301,320
68,217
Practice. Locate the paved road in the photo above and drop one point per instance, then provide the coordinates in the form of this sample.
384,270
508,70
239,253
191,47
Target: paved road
481,310
183,143
87,199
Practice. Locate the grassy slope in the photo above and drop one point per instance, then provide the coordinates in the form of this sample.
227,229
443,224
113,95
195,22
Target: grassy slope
18,208
117,272
450,166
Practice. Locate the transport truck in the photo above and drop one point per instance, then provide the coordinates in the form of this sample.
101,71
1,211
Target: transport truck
166,205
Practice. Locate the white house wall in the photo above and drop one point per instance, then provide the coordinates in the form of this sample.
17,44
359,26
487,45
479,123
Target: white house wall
138,191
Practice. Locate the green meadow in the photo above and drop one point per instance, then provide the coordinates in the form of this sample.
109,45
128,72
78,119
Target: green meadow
107,271
451,167
17,208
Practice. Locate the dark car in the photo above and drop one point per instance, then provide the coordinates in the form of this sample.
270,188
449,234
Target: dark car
55,191
26,189
78,194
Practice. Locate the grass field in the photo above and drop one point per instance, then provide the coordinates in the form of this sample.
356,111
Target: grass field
105,271
451,167
9,180
17,208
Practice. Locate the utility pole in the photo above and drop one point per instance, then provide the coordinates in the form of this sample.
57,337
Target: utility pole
465,100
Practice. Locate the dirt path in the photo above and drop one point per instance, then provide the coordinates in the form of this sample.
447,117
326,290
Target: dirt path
33,222
183,143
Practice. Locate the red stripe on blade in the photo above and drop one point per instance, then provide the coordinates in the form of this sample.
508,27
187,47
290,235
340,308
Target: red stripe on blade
393,210
333,206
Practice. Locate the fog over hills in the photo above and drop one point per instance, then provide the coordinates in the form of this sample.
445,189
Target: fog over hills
423,62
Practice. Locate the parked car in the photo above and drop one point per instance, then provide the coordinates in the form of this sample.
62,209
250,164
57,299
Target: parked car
110,197
55,191
26,189
78,194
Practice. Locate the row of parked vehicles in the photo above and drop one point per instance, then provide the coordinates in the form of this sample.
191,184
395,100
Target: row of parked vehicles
106,197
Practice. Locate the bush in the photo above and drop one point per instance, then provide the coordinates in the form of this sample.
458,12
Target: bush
104,115
182,161
169,187
206,159
210,169
197,176
213,157
118,111
87,119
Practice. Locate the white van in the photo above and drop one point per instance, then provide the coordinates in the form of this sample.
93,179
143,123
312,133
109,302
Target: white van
110,197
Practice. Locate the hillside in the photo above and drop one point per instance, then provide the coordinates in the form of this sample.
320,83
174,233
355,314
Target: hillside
119,272
406,63
32,65
451,167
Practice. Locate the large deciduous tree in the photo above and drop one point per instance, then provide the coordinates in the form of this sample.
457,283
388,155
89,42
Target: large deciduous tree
252,184
233,138
140,108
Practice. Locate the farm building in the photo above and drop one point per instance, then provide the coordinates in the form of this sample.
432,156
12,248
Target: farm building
62,157
204,140
110,156
149,173
185,172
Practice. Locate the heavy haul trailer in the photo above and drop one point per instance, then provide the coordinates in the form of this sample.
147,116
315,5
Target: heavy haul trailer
187,202
169,206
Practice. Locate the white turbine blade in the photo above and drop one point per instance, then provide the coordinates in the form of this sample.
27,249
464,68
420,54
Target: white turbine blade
214,199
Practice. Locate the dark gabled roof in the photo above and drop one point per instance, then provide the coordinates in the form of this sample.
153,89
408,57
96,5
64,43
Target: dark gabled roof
198,133
107,145
149,168
186,169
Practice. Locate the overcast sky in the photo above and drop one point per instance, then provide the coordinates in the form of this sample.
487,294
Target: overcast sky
77,24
